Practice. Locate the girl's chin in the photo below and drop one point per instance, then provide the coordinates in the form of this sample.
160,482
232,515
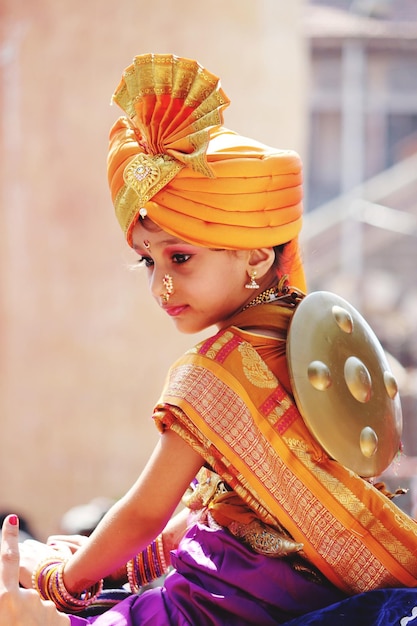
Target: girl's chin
187,327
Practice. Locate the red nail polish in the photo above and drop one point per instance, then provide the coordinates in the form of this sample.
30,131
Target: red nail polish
13,520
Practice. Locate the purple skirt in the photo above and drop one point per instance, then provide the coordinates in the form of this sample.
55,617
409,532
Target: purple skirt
218,581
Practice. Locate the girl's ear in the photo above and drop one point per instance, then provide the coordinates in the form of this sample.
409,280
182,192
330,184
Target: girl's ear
261,260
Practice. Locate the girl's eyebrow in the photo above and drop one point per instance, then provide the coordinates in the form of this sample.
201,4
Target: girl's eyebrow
179,245
174,241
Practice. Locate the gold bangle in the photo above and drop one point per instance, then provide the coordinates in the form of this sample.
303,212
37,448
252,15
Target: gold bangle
47,579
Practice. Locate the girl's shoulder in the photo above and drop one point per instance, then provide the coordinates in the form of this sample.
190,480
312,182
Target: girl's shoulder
217,347
226,356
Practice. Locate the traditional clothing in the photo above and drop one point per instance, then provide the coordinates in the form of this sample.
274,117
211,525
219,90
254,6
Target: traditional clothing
234,411
227,401
280,532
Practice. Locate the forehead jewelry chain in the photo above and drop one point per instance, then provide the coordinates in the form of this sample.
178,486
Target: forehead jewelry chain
168,283
147,244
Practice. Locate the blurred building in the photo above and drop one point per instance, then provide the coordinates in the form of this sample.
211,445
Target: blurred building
362,165
360,232
363,91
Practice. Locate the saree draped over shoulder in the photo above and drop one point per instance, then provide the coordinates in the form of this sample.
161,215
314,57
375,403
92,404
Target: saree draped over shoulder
227,402
230,399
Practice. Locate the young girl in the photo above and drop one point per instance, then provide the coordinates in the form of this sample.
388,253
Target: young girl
273,530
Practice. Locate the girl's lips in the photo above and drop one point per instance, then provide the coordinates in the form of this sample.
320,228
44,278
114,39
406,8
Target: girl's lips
173,311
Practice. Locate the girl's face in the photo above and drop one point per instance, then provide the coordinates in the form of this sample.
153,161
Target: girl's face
208,286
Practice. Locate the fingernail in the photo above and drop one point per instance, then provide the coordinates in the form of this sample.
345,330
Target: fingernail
13,520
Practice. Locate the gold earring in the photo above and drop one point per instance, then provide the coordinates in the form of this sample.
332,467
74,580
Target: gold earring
253,284
168,283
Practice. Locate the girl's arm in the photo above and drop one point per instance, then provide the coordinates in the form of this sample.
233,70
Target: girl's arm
135,520
171,536
174,531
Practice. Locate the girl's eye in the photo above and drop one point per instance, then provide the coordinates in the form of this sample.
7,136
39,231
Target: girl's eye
146,261
180,258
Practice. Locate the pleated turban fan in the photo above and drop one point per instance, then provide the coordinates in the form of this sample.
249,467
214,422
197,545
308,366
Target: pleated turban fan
171,158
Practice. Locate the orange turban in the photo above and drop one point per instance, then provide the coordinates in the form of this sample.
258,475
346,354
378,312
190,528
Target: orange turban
170,158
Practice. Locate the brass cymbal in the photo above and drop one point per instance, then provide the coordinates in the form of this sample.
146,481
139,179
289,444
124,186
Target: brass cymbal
343,385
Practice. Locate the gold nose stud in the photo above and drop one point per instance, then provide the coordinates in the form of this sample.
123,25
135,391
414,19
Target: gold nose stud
168,283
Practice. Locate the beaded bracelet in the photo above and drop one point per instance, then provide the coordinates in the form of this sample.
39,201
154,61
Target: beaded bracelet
48,581
147,566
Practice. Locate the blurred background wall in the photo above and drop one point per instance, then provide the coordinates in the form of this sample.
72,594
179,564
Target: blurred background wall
84,350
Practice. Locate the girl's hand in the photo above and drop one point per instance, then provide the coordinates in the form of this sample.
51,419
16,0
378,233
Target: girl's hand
72,543
66,543
21,607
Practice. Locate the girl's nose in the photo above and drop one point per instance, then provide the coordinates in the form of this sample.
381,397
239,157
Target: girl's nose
162,287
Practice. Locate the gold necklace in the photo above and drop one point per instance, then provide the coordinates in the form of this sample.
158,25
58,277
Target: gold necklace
280,291
269,295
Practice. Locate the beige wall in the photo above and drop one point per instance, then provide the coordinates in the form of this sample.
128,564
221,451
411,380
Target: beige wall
84,350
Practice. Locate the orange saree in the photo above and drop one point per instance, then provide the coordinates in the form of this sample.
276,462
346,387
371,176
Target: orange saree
229,404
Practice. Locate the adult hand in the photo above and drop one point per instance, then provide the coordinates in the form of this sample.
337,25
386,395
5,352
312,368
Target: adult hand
33,552
21,607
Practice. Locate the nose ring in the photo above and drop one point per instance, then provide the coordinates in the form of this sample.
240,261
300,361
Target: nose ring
168,283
